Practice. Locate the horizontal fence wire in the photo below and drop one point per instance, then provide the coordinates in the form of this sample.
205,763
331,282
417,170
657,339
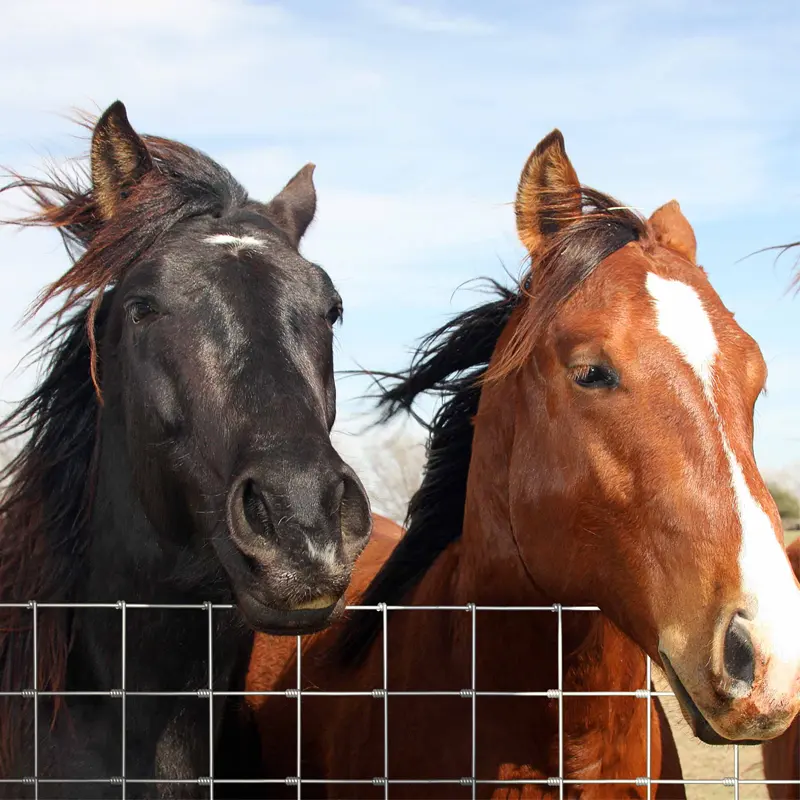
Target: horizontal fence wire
560,781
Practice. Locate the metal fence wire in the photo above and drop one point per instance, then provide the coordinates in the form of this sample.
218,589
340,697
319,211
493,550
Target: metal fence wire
385,780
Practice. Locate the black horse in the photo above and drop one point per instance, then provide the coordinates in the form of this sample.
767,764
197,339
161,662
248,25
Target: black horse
176,451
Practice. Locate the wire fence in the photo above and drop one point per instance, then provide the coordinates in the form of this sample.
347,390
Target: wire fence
560,781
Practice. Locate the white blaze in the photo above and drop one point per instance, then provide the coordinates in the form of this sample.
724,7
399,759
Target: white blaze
765,571
236,242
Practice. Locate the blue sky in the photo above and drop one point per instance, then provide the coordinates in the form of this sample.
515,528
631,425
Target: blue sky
420,116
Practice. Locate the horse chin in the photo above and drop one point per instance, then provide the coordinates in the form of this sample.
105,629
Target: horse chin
298,620
700,726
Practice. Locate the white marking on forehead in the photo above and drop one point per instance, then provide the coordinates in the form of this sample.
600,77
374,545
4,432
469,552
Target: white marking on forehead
765,570
683,320
236,242
299,354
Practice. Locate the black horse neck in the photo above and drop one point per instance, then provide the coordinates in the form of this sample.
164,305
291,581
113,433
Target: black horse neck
128,559
164,650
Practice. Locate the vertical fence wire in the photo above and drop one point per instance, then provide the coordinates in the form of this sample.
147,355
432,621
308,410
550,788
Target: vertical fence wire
473,684
557,608
123,688
385,614
736,772
648,689
35,610
299,765
211,699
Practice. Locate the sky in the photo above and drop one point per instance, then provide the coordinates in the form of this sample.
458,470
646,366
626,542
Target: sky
419,116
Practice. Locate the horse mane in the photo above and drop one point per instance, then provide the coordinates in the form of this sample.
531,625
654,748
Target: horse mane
782,250
43,514
453,362
47,487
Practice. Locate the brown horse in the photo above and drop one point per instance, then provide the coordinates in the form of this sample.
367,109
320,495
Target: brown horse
782,755
594,448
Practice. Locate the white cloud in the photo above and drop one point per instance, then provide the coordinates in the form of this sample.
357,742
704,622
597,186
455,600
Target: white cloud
429,20
209,66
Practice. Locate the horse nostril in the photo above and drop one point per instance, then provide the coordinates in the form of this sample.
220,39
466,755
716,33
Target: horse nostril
353,507
338,494
739,657
256,511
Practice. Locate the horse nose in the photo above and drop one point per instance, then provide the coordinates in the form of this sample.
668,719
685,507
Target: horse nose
324,501
269,511
738,656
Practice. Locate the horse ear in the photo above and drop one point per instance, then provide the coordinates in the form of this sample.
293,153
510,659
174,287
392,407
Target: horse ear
119,159
671,229
549,193
292,209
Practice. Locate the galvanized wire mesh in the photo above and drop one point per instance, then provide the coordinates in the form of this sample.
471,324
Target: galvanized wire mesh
559,781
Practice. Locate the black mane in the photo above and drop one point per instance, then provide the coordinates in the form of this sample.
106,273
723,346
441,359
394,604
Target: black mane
451,361
43,513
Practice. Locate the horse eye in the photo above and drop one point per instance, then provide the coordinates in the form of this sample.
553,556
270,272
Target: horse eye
138,310
334,314
594,376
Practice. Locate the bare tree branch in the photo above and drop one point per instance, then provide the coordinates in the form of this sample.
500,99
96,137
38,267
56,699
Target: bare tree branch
390,462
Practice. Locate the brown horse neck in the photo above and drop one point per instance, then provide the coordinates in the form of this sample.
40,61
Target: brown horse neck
484,567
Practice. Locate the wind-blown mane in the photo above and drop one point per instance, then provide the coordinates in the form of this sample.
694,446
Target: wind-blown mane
185,183
47,488
42,517
782,250
453,362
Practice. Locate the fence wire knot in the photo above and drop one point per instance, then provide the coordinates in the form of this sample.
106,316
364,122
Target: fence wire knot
204,693
28,781
556,607
553,694
470,607
554,781
115,781
295,693
204,781
378,693
29,693
293,781
118,693
729,781
379,781
467,693
467,781
643,781
642,694
381,608
120,605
